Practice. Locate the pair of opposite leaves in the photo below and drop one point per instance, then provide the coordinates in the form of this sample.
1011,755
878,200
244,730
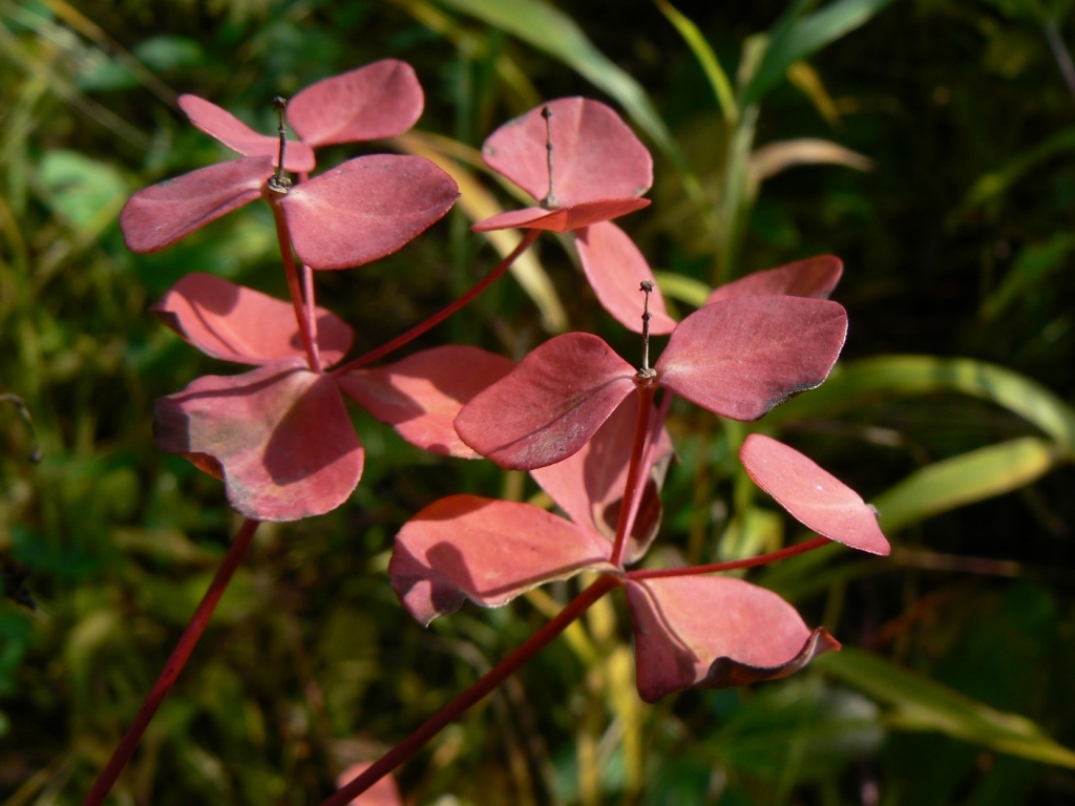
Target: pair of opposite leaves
354,213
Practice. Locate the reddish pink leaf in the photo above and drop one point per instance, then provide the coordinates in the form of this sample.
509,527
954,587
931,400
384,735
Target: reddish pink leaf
365,209
382,99
815,497
595,154
616,268
589,484
562,220
162,214
741,357
383,793
280,434
421,395
814,277
465,547
715,632
234,323
223,126
550,405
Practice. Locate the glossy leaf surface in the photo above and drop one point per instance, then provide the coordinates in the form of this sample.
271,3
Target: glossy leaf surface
223,126
421,395
552,403
616,268
365,209
812,495
280,435
741,357
814,277
234,323
382,99
464,547
715,632
595,154
162,214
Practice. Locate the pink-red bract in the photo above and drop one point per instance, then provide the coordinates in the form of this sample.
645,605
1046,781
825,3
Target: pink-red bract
280,437
813,277
813,495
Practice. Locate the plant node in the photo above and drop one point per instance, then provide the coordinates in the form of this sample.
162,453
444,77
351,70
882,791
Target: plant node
549,202
645,372
279,183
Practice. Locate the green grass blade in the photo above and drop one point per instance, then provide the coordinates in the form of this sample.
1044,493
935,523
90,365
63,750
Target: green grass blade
920,704
682,288
991,186
1033,268
901,375
965,479
718,79
793,39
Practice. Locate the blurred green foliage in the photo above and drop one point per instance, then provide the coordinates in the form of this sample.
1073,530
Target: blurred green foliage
928,143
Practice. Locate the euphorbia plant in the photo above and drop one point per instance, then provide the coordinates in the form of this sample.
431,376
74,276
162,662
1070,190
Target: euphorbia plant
586,423
583,421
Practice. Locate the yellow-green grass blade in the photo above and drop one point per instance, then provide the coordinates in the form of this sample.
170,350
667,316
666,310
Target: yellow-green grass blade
917,703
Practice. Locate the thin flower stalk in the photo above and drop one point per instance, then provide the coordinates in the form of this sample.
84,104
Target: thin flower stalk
405,338
303,304
731,565
485,685
168,676
635,471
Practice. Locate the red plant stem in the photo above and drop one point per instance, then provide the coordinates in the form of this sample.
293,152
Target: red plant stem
486,684
444,313
187,641
633,488
750,562
310,309
283,235
647,457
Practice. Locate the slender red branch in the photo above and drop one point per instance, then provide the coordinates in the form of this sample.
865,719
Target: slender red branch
309,340
310,307
750,562
444,313
633,488
486,684
173,667
647,457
